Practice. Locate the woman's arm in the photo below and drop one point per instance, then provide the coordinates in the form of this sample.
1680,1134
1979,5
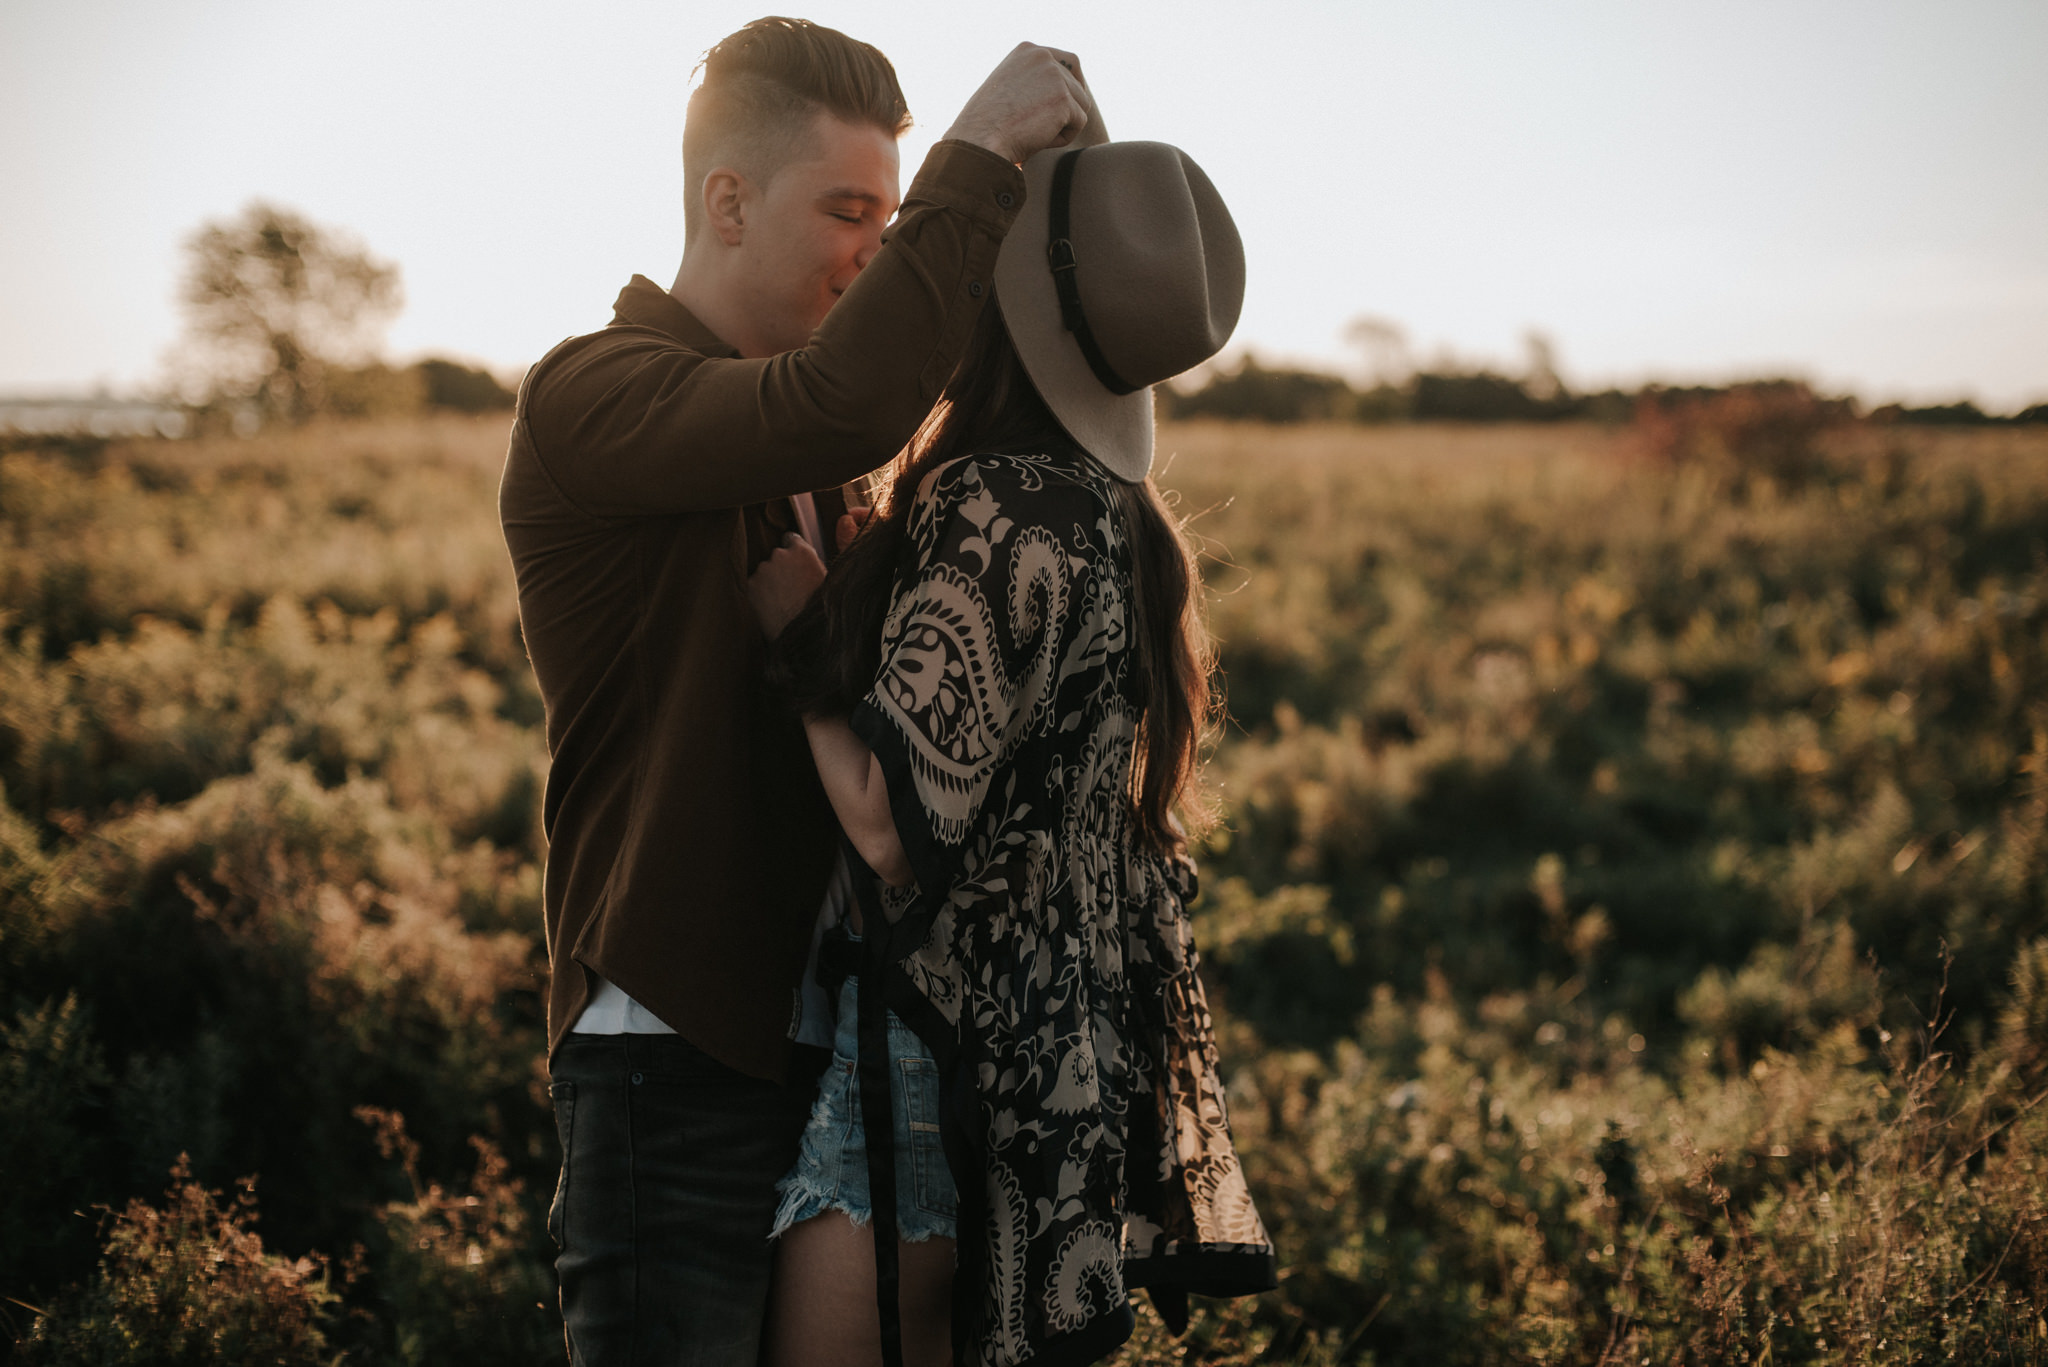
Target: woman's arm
849,770
853,781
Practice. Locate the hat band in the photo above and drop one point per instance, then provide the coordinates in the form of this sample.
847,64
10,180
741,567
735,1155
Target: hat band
1059,254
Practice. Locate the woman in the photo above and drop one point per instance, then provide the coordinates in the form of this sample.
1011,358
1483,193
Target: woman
1005,683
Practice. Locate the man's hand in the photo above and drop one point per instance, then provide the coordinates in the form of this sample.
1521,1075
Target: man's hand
1034,100
783,583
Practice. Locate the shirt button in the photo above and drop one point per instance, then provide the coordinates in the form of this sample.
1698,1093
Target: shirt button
974,288
637,1079
1006,199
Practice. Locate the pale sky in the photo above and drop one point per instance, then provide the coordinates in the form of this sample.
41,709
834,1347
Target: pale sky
1855,191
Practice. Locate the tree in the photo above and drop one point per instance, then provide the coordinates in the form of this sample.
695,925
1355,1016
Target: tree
1541,380
1384,346
1256,394
466,389
1477,396
272,299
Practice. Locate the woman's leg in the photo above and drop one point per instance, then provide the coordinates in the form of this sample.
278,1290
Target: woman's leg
821,1310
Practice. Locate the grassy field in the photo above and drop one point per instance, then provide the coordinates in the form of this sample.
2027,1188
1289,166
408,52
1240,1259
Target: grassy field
1627,906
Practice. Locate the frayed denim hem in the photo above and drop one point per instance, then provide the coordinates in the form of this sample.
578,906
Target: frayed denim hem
831,1165
803,1200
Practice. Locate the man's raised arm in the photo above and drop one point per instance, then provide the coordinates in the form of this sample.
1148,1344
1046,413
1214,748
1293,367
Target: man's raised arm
637,424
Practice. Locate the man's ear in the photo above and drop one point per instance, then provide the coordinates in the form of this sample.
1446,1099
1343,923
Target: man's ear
725,204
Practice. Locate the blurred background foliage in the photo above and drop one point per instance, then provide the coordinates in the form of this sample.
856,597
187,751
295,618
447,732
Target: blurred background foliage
1627,918
1450,390
284,321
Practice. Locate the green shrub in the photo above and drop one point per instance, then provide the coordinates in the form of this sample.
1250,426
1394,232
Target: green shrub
189,1283
455,1269
54,1084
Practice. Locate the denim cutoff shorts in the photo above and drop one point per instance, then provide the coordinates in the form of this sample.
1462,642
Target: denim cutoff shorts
831,1171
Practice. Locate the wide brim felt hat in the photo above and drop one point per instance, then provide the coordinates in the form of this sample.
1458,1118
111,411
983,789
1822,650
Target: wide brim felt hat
1154,273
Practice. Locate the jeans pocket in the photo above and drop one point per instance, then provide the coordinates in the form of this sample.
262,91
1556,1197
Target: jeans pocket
931,1179
564,1097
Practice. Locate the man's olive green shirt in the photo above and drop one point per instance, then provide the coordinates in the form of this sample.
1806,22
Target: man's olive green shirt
689,841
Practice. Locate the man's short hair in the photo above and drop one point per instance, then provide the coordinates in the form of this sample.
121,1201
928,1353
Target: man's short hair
762,91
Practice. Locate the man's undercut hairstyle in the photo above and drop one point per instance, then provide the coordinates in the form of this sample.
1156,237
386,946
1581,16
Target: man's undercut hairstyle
762,91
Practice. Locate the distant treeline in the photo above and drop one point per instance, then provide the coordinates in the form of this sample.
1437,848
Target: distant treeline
1258,393
378,390
373,390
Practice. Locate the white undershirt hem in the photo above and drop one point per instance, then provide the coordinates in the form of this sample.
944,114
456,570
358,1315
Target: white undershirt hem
611,1012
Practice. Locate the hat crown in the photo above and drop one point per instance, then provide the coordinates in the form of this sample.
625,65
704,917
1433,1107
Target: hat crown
1136,278
1158,264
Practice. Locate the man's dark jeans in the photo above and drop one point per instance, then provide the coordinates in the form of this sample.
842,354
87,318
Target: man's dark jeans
667,1194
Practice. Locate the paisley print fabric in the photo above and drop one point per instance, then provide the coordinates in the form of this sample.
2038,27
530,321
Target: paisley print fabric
1043,952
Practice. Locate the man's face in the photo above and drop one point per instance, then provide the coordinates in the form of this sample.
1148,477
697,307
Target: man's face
813,227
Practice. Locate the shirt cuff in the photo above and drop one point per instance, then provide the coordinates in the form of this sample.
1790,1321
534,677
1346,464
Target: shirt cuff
972,180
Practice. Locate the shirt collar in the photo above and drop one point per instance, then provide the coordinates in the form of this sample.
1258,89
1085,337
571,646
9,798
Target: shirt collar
642,303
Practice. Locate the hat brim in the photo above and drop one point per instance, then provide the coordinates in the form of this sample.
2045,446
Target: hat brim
1115,429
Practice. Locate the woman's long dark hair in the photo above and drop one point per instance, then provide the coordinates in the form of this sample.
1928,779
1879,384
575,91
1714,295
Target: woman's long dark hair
827,658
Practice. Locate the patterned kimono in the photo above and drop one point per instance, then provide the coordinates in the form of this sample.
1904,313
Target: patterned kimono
1044,951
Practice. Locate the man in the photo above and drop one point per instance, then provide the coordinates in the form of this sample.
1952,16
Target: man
652,465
